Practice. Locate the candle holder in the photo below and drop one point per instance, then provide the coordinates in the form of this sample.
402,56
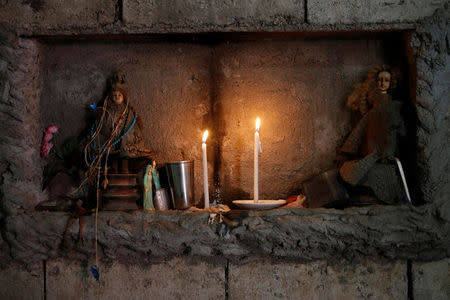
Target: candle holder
260,204
257,204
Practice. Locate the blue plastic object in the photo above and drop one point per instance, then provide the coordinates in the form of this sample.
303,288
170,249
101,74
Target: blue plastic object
95,272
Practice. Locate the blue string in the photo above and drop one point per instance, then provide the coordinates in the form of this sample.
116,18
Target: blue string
119,139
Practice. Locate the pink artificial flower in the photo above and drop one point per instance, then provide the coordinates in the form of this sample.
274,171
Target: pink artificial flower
46,146
47,137
45,149
52,129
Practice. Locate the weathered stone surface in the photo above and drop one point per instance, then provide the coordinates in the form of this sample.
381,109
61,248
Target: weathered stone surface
174,279
180,89
20,282
167,83
431,280
303,119
389,232
368,11
55,17
5,258
21,171
317,280
430,44
200,14
395,232
33,15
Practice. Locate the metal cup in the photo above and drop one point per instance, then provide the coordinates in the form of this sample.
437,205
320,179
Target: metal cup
161,200
181,180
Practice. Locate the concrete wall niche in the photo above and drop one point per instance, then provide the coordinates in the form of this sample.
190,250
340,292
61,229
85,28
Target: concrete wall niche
182,84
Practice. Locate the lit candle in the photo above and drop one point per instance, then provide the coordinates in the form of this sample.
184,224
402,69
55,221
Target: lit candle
205,169
257,148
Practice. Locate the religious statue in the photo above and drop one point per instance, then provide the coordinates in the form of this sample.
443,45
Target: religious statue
116,136
147,202
119,127
373,142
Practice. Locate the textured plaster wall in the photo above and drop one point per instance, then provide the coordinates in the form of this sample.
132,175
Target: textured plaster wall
20,138
179,13
367,11
131,16
36,15
298,88
431,45
187,278
168,85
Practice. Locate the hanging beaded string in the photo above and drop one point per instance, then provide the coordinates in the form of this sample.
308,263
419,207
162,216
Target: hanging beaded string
94,166
120,138
105,149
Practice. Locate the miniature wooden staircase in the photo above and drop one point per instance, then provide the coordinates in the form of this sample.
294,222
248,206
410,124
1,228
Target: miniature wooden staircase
122,193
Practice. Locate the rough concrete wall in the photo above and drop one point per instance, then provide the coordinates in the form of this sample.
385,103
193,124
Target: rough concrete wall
188,14
173,279
185,278
404,232
131,16
432,48
167,83
95,16
431,280
298,89
38,15
180,89
19,106
368,11
318,280
20,281
386,232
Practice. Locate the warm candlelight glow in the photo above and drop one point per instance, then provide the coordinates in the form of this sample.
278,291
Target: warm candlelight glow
258,123
205,136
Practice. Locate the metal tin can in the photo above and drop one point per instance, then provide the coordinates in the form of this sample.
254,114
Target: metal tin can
181,180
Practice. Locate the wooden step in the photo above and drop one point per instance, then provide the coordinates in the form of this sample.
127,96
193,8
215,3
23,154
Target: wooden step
123,204
122,186
122,179
121,194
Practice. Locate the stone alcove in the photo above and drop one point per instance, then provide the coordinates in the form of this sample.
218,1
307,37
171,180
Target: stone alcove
296,82
196,81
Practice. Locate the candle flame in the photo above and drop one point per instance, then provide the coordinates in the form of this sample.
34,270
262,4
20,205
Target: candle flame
258,123
205,136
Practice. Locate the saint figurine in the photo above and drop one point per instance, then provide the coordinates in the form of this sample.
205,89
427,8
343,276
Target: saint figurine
148,190
374,139
118,125
116,135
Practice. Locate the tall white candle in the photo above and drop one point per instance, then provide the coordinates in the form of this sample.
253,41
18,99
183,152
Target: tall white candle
257,148
205,169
